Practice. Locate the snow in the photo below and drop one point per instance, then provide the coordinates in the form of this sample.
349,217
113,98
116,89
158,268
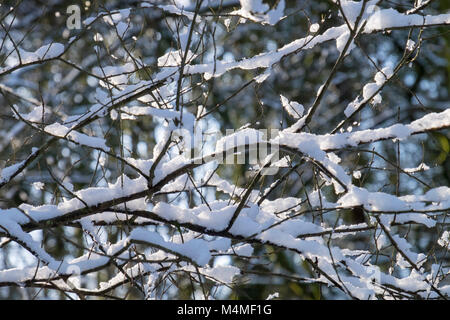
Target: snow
217,219
44,53
98,37
171,9
225,186
410,44
263,76
294,109
221,274
62,131
382,76
307,144
314,28
267,59
258,11
273,296
245,250
239,138
376,22
174,58
369,90
280,204
437,194
372,201
431,121
245,225
341,42
420,167
38,114
25,239
404,246
121,28
400,131
7,172
444,240
391,18
48,51
357,174
195,249
114,17
330,142
352,9
21,275
299,227
115,74
218,244
352,107
148,111
89,21
38,185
